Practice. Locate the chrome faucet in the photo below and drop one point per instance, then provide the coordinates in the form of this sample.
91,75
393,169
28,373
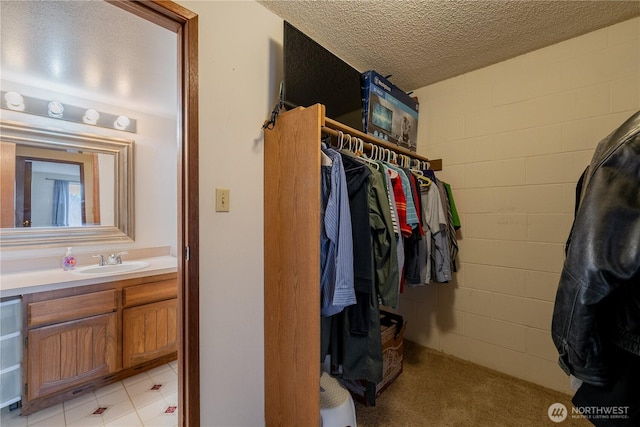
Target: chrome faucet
112,259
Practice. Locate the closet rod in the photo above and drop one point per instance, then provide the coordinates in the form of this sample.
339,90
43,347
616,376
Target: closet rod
332,127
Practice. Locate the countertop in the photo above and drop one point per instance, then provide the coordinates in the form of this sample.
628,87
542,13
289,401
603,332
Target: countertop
15,284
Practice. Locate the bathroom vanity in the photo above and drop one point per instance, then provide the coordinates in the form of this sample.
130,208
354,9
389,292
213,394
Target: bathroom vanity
87,332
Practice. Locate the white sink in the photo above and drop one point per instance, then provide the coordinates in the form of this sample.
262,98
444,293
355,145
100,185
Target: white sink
99,270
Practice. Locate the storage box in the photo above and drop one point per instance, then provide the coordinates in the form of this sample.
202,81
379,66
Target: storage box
388,112
392,328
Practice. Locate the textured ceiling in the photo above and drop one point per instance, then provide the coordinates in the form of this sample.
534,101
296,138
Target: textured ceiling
423,42
90,49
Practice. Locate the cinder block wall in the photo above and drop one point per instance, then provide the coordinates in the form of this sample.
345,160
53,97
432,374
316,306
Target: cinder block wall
515,137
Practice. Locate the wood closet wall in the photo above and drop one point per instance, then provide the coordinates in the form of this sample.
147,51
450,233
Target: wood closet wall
292,268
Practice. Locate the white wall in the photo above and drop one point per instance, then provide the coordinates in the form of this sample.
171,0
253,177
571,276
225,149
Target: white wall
238,76
514,138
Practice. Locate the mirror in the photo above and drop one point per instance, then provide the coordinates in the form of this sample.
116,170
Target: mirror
64,188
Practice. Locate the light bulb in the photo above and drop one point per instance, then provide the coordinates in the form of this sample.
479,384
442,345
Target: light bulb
14,101
121,122
56,110
91,117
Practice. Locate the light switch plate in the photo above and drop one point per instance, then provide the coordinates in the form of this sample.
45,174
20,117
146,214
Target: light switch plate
222,200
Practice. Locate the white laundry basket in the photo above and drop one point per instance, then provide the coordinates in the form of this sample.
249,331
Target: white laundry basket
336,404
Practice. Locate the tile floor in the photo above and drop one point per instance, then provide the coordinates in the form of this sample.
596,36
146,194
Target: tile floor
148,399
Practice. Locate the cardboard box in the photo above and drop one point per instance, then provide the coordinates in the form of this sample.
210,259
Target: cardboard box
388,112
392,329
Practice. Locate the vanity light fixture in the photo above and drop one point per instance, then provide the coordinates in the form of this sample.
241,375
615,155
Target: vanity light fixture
14,100
56,110
121,123
11,100
91,116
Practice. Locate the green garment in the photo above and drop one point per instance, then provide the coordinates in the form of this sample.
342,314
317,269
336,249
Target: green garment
454,212
385,251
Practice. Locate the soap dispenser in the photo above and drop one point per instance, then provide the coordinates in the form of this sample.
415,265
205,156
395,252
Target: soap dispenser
68,260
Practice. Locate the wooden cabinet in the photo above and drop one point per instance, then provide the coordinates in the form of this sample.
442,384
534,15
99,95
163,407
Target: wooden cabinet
70,354
79,343
80,339
151,326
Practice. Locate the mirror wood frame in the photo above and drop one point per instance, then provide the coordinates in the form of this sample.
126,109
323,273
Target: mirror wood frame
29,136
184,23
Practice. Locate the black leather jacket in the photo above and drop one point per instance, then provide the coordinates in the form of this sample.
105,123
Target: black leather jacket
597,304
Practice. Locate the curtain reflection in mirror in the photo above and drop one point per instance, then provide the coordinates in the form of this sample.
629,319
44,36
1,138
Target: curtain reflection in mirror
59,216
67,204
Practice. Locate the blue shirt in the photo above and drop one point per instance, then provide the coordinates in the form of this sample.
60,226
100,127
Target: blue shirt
336,280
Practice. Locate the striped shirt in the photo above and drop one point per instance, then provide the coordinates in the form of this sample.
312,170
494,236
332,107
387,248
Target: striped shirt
337,287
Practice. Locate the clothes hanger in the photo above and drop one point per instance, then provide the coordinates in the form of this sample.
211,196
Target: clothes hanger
325,160
393,160
340,140
415,170
374,152
360,143
389,156
359,147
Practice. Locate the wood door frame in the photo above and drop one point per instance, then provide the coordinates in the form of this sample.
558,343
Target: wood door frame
184,23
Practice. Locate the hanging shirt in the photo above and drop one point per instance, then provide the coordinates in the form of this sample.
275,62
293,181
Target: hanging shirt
454,211
337,285
415,194
412,215
384,243
357,175
401,204
452,220
388,188
394,213
440,265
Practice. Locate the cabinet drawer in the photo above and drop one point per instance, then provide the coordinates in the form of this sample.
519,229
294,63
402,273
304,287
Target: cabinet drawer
69,308
10,316
149,292
10,350
10,387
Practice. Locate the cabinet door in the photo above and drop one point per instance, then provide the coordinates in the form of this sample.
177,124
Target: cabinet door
149,331
70,353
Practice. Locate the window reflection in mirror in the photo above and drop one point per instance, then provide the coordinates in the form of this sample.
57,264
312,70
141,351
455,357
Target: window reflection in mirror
64,187
56,188
49,193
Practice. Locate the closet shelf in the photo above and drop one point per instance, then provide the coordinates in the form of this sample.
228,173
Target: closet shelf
332,127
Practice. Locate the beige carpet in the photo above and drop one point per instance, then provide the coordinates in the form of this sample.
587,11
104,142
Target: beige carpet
439,390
